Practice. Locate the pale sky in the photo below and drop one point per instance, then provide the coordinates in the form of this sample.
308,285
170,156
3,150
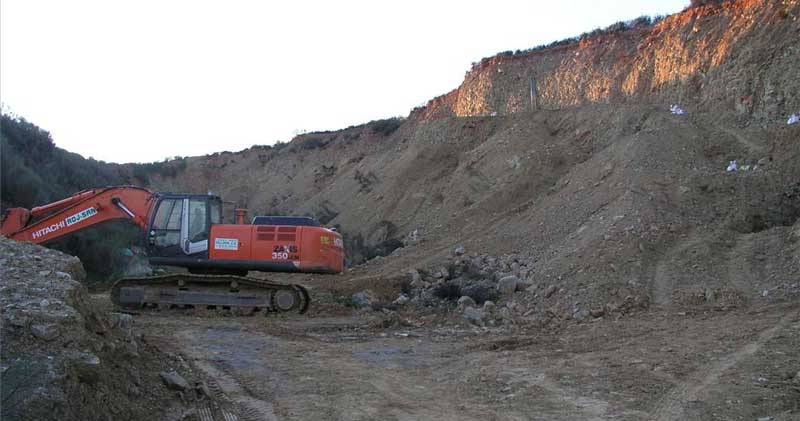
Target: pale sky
138,81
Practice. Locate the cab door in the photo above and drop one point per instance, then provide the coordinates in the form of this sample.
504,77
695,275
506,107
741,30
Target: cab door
166,229
196,224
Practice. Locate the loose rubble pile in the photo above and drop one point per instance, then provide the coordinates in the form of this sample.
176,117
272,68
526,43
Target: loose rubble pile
61,357
493,291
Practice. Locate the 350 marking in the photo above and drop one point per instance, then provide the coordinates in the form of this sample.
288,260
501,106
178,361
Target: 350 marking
281,252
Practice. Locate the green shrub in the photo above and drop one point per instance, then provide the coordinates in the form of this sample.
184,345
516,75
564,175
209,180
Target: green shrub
35,172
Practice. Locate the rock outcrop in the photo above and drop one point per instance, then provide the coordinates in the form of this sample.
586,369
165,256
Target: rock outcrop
63,358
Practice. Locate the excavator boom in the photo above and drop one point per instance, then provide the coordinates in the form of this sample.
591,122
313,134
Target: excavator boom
83,210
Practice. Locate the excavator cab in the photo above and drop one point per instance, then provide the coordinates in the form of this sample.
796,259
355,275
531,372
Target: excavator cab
181,224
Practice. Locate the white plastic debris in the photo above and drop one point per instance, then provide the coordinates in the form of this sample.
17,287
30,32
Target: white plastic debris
676,110
745,168
793,119
732,167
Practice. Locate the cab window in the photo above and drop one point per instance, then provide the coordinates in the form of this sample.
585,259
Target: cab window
216,212
167,223
198,224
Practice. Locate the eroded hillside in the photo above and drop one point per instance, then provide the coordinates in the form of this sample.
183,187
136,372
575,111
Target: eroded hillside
738,56
601,190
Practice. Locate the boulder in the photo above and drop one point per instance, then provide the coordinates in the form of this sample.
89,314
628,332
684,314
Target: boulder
86,367
508,285
45,332
580,314
598,312
362,299
401,300
474,316
173,380
465,302
123,323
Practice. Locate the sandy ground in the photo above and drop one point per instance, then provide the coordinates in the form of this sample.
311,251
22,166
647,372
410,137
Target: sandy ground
663,364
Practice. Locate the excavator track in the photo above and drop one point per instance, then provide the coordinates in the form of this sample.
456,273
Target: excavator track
187,290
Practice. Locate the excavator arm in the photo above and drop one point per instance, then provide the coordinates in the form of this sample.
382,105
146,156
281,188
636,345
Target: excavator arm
83,210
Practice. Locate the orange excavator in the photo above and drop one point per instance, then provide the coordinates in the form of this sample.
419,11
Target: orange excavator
186,230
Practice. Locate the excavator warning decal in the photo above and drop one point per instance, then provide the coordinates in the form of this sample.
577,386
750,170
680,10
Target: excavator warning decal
326,241
226,244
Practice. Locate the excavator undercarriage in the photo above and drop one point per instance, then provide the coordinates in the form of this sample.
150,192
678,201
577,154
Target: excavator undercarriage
242,294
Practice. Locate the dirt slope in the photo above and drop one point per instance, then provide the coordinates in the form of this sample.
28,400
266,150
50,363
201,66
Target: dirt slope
601,191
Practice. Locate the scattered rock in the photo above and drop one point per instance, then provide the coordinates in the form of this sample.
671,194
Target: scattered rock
63,275
489,307
465,302
46,332
474,316
506,314
121,320
412,238
174,381
507,285
401,300
580,314
459,250
362,299
550,291
86,367
18,321
123,323
597,312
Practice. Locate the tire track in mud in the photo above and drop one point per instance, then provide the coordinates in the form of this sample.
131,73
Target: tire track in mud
226,387
672,406
581,407
237,397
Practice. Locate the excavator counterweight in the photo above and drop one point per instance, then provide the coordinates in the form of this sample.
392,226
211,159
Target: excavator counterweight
186,230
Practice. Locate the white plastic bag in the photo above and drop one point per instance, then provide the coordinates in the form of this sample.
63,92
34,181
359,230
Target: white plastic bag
676,110
793,119
732,167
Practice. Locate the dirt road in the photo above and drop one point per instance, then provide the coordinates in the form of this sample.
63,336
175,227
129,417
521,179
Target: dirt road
739,364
